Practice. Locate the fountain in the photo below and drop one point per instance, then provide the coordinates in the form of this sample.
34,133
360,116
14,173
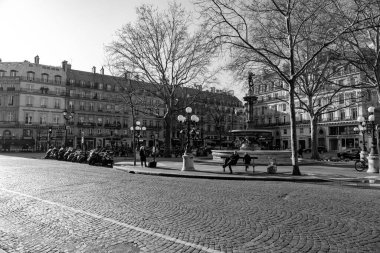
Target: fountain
256,142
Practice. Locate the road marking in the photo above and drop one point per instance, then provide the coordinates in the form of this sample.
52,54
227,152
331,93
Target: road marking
146,231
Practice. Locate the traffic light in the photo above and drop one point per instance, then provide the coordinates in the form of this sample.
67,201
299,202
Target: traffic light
50,130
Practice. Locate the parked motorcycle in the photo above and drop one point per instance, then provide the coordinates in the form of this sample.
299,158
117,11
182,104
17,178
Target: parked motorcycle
100,157
52,153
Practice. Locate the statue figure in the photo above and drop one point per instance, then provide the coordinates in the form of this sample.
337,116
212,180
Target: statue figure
250,80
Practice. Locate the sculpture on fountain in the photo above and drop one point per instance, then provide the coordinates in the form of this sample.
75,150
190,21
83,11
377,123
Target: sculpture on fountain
257,142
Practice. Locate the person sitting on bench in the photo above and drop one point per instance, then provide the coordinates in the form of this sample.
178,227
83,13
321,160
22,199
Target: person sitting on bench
232,160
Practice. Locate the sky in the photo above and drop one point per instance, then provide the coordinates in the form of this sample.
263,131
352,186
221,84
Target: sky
72,30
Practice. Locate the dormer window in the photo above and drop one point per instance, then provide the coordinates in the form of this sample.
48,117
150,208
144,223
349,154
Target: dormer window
2,73
45,77
13,73
100,86
82,83
72,81
57,79
30,75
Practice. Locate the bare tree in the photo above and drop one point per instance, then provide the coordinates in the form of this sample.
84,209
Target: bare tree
362,47
271,33
162,51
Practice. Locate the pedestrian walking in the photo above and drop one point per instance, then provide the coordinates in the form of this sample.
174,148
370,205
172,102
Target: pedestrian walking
300,152
143,156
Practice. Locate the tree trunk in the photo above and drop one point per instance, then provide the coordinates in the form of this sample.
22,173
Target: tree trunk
293,131
168,134
314,138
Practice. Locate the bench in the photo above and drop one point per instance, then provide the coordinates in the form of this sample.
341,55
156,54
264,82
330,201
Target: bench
241,162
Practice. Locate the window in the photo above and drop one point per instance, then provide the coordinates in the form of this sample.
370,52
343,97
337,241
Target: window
56,118
57,79
10,100
71,105
81,119
354,113
285,131
45,77
100,107
91,106
100,86
28,118
10,116
29,101
341,98
2,73
109,87
81,105
43,118
100,121
44,102
301,130
283,107
57,104
342,114
13,73
30,76
353,97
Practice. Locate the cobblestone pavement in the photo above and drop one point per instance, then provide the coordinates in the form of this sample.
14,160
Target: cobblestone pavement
52,206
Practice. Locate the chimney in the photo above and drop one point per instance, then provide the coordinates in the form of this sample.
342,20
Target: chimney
94,69
64,65
37,60
102,71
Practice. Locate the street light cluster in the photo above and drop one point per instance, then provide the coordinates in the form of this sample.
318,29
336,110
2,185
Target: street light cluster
369,127
67,116
136,129
193,118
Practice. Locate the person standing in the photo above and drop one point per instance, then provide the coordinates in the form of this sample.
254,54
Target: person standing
143,156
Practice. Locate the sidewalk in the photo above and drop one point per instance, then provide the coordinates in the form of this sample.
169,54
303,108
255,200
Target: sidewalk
311,171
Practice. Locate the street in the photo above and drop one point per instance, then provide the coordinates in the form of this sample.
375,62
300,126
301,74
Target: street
55,206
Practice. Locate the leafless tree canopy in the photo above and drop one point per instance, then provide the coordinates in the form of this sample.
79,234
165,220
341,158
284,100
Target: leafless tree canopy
283,36
161,50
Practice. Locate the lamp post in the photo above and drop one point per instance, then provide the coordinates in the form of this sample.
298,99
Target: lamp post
50,131
136,130
373,158
362,128
67,116
188,159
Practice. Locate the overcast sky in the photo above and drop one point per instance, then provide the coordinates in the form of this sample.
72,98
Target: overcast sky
72,30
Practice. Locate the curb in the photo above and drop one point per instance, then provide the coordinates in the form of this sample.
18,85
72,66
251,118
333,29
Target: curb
222,177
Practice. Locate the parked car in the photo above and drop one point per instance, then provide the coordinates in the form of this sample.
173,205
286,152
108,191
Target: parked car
321,150
352,154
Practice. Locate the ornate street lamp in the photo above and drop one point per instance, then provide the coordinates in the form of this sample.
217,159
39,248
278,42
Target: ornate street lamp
369,127
362,128
188,162
67,116
136,130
